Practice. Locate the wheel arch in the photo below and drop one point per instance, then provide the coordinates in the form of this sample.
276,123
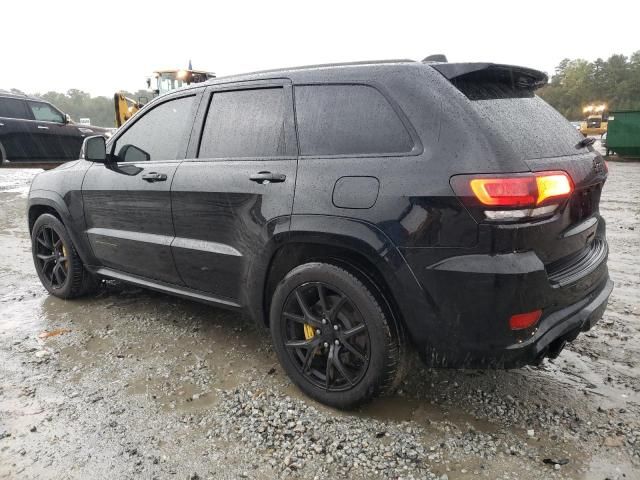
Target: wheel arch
355,245
47,201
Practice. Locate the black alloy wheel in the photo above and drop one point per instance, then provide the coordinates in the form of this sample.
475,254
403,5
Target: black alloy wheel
57,262
334,335
326,336
51,257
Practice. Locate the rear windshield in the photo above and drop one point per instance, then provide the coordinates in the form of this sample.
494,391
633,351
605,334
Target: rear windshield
529,126
515,118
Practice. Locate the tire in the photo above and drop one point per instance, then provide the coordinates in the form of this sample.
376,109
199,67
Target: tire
3,156
315,310
52,250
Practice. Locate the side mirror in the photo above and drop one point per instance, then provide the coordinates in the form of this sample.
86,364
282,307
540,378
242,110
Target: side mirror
67,118
94,149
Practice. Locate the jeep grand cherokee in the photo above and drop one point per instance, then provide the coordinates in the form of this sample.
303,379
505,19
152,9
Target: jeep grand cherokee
354,209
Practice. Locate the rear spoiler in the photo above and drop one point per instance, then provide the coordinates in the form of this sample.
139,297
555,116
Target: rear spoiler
524,78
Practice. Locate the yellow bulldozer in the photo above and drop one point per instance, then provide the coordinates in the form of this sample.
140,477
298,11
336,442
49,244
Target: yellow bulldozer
596,120
162,81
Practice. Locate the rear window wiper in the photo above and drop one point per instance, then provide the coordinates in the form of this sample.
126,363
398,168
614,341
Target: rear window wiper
585,142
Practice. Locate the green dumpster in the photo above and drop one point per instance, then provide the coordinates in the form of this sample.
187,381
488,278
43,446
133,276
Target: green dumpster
623,133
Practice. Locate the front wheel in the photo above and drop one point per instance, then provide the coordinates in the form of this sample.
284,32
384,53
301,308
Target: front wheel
56,260
332,336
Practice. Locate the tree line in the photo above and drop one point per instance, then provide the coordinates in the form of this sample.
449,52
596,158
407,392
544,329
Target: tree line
577,83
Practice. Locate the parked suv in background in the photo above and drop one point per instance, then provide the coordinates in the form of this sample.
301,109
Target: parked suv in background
353,209
35,133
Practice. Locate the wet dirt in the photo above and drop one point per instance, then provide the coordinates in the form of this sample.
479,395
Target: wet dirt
131,383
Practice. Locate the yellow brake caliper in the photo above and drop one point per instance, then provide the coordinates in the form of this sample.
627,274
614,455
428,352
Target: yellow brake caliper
309,332
64,254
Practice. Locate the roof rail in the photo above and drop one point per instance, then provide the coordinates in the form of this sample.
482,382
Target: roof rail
16,93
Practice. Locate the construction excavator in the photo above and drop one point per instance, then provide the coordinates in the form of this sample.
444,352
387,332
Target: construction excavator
162,81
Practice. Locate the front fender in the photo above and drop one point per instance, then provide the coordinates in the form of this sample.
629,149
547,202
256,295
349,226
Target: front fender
49,199
74,224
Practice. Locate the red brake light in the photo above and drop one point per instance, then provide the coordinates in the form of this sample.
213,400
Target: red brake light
524,320
528,190
513,197
506,191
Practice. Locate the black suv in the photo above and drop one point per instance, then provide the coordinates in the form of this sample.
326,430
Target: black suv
354,209
34,133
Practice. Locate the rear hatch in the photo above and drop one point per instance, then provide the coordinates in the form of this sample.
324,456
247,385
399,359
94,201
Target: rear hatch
525,130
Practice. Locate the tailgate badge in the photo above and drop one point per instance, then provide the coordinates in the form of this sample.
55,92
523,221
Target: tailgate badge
598,165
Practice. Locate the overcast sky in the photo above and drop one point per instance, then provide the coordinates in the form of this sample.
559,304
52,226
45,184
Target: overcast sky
105,46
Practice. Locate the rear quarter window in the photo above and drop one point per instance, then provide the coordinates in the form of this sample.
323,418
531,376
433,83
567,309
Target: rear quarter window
348,120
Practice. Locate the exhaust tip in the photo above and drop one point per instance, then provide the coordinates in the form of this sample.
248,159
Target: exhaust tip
556,347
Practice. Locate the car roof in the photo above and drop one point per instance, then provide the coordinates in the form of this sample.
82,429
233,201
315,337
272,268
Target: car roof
307,72
20,96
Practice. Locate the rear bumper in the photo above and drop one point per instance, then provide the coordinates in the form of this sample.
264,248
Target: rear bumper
473,296
559,328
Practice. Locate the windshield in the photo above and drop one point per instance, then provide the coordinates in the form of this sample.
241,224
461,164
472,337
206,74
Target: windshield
168,82
594,121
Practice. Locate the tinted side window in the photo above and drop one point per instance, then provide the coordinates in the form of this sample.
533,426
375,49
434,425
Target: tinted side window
158,134
13,108
45,112
244,123
347,120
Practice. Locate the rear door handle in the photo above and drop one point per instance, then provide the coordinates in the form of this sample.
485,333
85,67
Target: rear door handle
42,127
154,177
267,177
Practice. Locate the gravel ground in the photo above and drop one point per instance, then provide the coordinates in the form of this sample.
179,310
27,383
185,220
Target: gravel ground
131,383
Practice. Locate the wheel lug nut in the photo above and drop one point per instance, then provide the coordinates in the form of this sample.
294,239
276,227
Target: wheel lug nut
326,344
337,342
324,321
318,332
335,327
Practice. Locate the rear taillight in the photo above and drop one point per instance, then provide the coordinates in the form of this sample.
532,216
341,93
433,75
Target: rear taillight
504,192
553,186
514,196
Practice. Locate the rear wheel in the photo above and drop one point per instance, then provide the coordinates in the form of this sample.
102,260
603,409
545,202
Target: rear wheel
332,336
56,260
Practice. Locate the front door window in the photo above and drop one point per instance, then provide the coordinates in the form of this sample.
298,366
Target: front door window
158,134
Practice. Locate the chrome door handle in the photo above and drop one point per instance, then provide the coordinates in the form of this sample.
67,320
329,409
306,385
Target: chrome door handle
154,177
42,127
1,124
264,178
